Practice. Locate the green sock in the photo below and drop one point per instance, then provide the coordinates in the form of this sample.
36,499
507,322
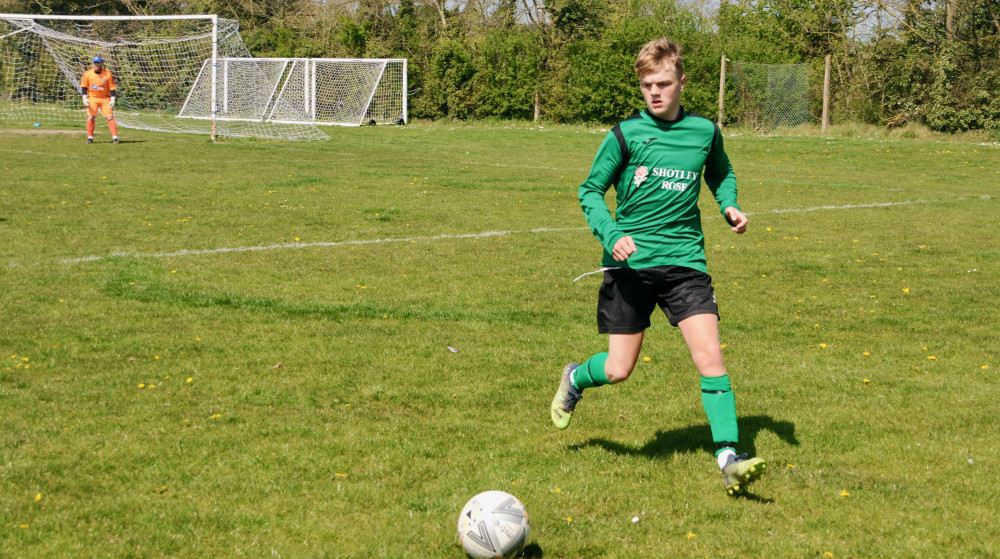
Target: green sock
591,372
720,406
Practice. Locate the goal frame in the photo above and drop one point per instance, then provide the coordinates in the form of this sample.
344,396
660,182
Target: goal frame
308,88
210,17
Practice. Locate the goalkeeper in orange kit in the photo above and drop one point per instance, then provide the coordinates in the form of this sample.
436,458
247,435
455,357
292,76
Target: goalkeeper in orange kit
99,91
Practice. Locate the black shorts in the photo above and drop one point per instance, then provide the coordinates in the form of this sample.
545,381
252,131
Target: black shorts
627,297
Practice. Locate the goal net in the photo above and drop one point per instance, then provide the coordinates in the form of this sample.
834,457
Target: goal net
156,61
771,95
334,91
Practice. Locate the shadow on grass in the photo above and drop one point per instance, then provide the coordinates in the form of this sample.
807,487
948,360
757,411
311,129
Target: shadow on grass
532,551
699,438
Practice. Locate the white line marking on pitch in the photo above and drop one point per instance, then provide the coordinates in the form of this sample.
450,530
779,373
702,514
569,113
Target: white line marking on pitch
481,235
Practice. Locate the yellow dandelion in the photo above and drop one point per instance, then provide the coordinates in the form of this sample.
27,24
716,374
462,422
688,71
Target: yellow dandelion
844,493
906,290
790,465
189,379
568,519
340,475
932,358
142,385
216,416
866,353
866,381
690,535
646,359
822,346
828,554
984,367
557,490
23,526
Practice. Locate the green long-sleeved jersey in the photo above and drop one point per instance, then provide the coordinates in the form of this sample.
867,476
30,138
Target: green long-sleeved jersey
656,167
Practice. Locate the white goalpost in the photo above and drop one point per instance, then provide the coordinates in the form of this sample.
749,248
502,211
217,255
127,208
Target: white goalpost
329,91
188,74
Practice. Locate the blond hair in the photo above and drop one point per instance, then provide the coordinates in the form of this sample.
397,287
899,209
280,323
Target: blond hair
656,54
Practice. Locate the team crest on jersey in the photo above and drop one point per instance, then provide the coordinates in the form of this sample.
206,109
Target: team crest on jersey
640,175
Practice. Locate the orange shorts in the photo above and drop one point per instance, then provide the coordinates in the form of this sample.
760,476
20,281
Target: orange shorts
102,104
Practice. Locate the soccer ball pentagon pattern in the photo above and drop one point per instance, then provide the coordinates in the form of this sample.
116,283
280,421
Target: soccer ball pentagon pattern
493,524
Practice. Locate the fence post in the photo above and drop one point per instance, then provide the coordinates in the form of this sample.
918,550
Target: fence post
722,90
826,96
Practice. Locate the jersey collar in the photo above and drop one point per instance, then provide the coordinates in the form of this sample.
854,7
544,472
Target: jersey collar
680,116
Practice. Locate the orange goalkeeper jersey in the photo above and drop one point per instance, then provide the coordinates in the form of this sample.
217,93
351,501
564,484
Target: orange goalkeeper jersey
98,85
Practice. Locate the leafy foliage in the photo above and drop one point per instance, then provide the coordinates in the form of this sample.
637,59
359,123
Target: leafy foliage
895,61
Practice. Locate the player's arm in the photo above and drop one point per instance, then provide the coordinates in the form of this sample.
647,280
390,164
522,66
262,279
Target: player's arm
721,180
83,91
603,173
113,87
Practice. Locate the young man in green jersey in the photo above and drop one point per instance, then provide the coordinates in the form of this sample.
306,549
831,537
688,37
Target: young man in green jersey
654,248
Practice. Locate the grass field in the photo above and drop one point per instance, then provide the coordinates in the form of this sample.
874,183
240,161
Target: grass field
242,349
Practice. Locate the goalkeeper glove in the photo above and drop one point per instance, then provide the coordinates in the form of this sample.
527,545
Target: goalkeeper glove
111,103
86,101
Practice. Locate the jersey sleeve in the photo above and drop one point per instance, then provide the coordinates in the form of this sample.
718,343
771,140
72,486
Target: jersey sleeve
719,175
84,82
603,173
112,82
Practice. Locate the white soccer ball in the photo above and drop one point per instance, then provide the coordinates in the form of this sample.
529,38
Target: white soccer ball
493,524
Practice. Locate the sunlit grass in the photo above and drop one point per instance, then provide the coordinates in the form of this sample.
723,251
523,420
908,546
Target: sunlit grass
256,348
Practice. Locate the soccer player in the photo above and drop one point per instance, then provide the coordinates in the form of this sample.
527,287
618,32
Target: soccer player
654,248
99,92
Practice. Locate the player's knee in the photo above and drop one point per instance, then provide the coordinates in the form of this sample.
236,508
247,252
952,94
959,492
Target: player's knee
617,372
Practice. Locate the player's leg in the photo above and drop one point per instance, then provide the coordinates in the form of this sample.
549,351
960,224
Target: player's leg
609,367
104,106
90,128
108,111
623,311
701,333
113,127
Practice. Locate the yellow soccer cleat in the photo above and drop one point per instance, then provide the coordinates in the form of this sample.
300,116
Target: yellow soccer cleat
566,398
740,471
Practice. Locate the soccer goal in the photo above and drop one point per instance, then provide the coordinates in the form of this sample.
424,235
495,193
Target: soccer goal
334,91
771,95
156,61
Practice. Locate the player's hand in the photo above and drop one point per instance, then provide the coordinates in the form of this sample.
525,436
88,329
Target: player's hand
111,103
737,219
86,101
624,248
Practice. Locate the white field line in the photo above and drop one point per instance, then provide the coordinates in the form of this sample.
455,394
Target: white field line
481,235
